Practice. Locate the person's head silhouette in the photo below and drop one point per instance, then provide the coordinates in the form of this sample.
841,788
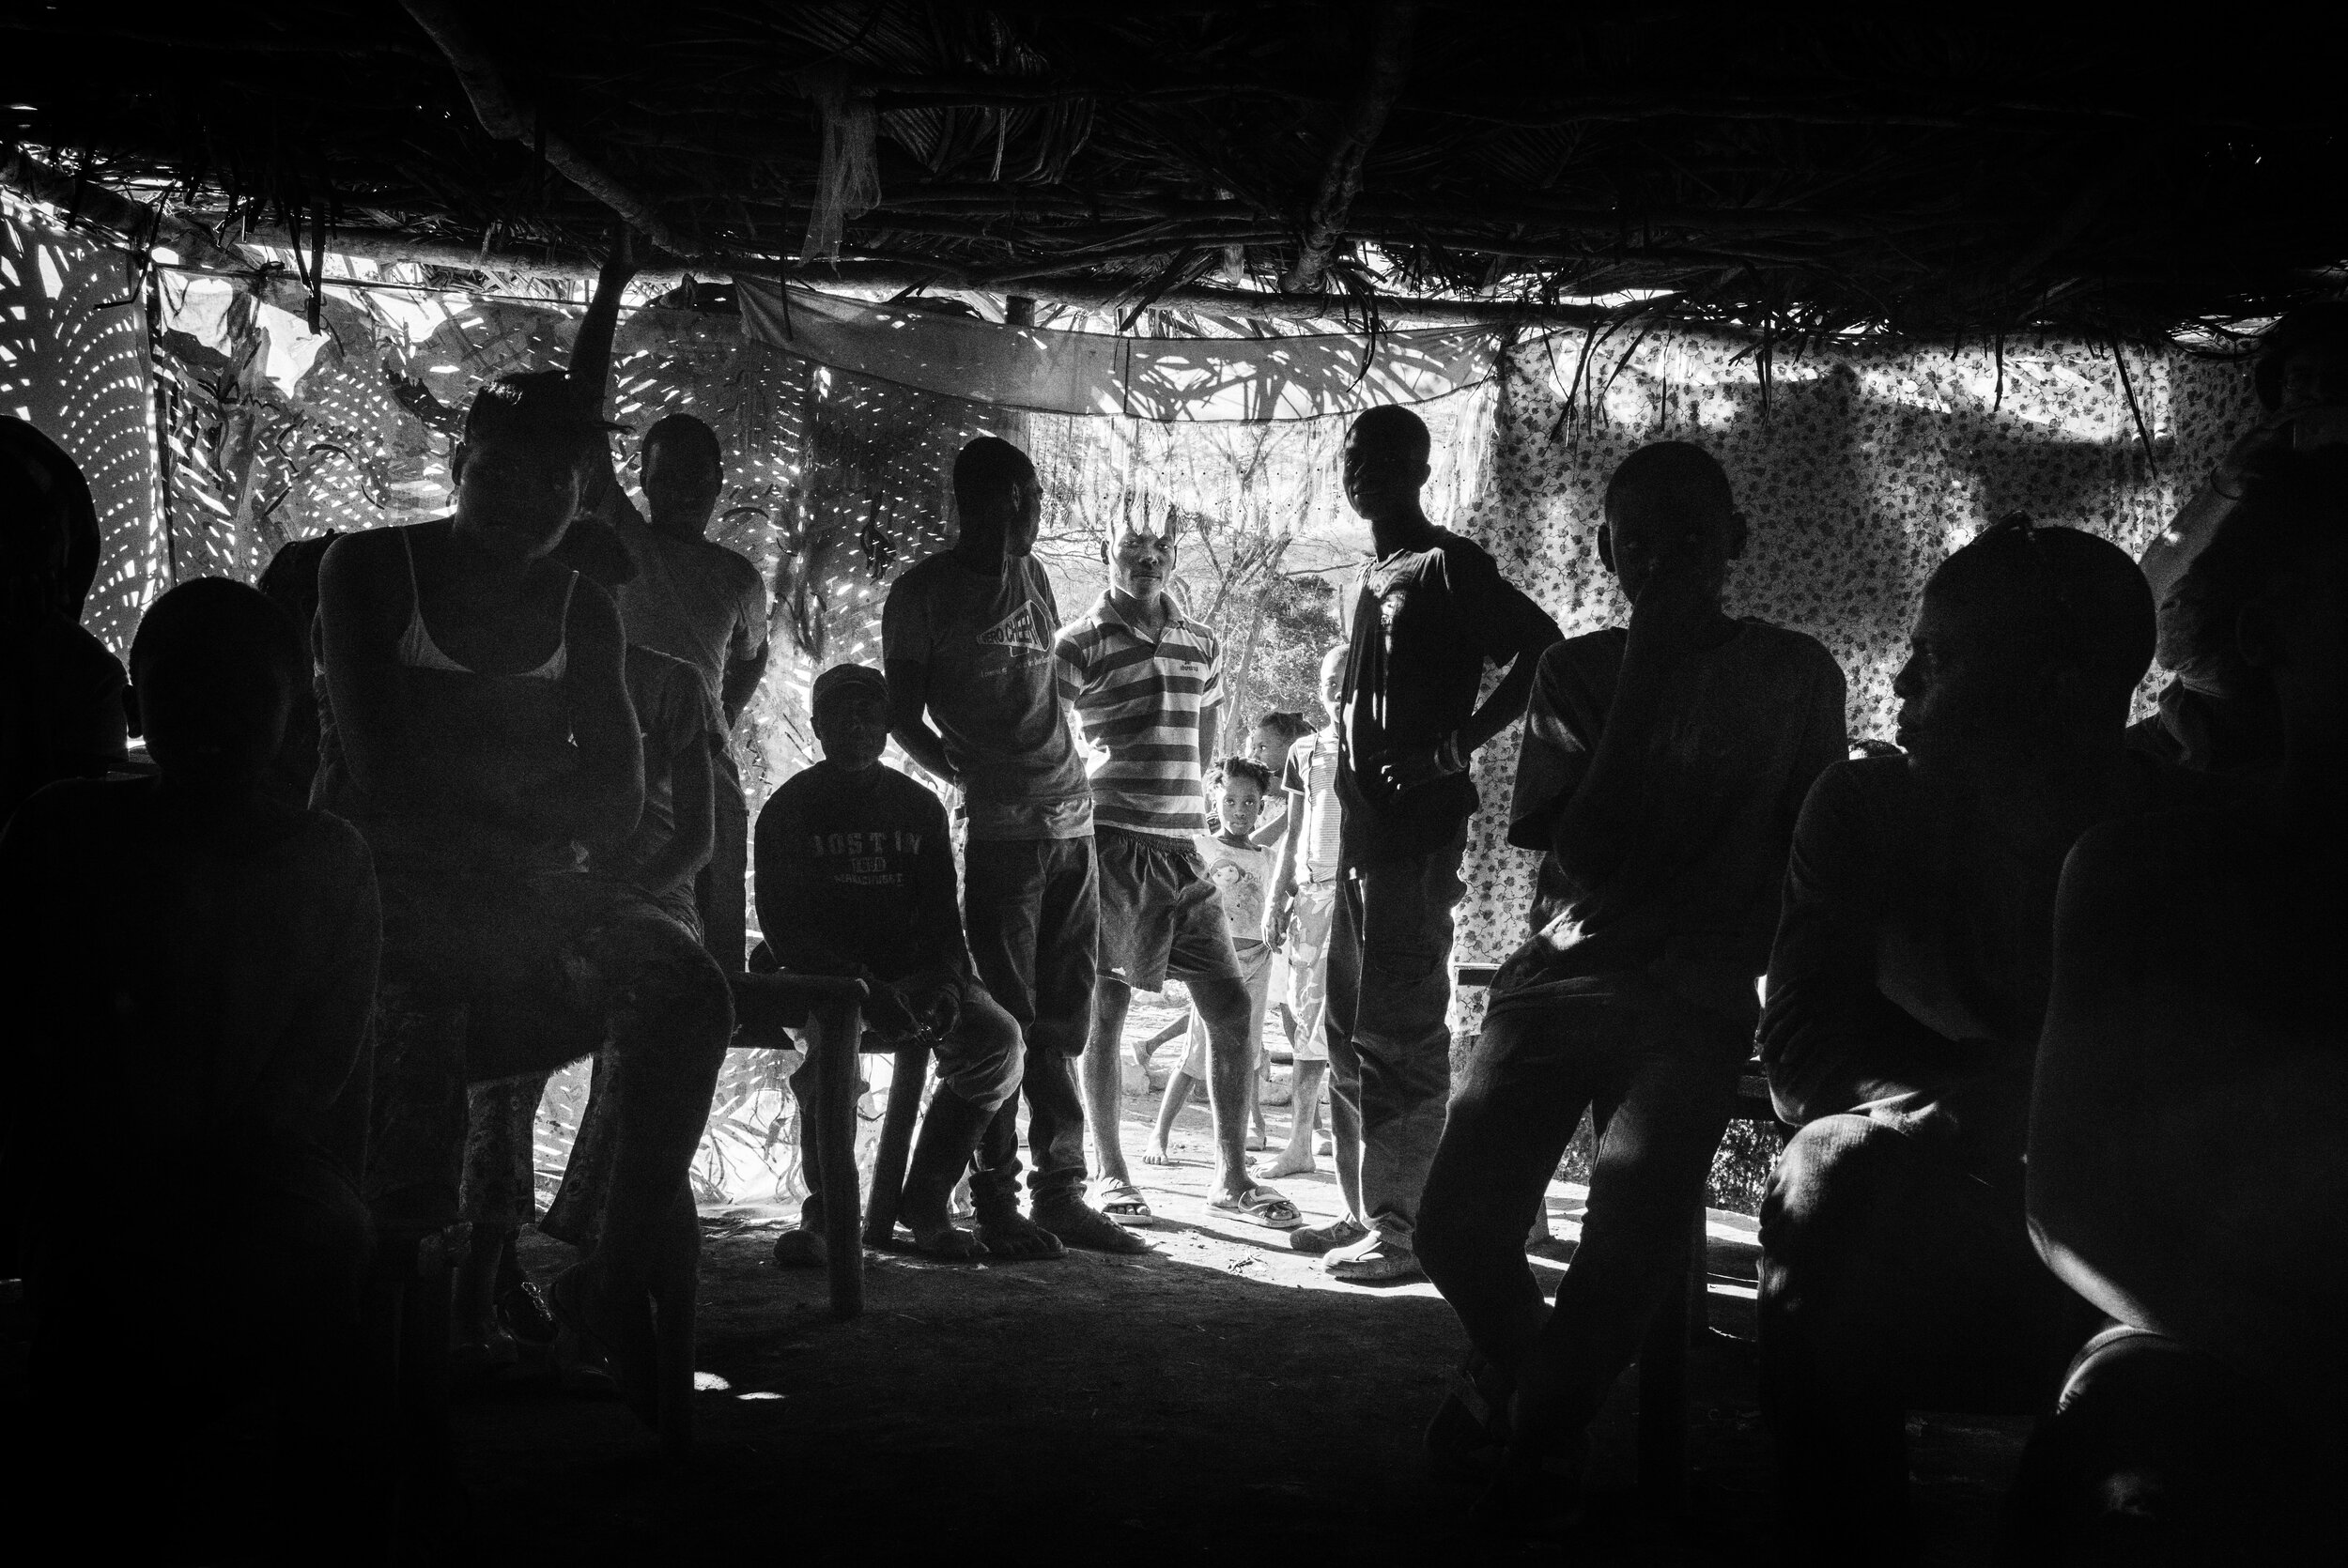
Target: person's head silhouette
215,669
2031,641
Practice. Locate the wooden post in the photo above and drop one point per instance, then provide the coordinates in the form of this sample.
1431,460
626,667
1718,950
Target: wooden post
1390,29
833,1031
896,1142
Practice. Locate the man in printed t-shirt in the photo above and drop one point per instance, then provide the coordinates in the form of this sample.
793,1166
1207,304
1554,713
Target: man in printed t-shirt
967,639
1430,612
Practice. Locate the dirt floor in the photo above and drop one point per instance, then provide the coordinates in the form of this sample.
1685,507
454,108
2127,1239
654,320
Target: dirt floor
1219,1395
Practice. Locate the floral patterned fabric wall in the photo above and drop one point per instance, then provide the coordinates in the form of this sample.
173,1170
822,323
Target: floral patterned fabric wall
1864,469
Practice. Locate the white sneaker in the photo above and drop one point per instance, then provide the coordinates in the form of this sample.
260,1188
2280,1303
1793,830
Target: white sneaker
1372,1260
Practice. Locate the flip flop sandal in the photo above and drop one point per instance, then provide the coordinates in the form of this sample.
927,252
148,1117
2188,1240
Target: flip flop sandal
1122,1201
1260,1206
1468,1438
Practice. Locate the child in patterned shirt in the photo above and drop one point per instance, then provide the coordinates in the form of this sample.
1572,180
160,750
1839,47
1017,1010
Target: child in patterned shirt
1238,869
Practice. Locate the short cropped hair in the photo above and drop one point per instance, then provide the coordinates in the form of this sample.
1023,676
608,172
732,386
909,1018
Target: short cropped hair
1289,724
2082,595
1396,428
985,468
1249,769
687,431
222,622
1681,469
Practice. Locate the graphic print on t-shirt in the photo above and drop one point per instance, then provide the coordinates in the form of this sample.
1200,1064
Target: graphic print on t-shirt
1021,628
879,859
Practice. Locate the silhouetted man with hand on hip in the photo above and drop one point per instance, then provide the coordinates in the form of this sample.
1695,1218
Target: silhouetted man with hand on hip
1431,611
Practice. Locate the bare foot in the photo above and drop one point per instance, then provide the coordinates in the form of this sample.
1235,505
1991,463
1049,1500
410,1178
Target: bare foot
1292,1161
1257,1142
1155,1154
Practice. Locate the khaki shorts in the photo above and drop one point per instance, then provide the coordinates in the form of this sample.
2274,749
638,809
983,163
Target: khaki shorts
1159,913
1311,917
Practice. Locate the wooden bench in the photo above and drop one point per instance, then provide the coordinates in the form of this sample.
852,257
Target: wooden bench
1680,1322
828,1013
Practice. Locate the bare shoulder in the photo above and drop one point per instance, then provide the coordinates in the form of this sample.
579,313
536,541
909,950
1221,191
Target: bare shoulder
1872,785
365,549
2130,853
2140,892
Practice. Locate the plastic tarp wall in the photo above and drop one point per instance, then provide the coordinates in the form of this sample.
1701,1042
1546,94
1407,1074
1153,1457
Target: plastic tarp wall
835,481
73,362
1867,469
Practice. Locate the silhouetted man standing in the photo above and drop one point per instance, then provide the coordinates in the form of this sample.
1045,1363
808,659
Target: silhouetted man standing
1428,614
694,599
966,640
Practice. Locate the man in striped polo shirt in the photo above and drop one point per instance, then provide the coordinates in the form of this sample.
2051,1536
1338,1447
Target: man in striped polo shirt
1146,682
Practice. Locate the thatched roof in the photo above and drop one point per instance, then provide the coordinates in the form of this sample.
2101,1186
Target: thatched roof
1909,171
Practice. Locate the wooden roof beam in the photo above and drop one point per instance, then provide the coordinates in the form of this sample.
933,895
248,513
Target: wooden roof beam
142,225
1390,30
506,119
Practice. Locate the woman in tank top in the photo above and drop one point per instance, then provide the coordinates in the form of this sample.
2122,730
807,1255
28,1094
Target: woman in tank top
475,718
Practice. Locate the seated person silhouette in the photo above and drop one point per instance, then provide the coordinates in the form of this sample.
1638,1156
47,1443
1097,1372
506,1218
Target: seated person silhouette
478,732
60,688
200,938
1905,990
2186,1157
494,1303
1663,765
856,877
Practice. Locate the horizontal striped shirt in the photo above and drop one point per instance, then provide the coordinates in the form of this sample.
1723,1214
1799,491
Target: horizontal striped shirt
1140,701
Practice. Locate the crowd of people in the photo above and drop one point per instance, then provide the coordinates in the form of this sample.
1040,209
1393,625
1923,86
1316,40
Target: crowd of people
2038,995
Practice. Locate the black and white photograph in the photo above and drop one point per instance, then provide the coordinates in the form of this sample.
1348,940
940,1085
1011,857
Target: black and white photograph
1391,782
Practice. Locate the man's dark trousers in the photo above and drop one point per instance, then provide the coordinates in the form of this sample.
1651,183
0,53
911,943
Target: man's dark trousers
1389,1042
1032,908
